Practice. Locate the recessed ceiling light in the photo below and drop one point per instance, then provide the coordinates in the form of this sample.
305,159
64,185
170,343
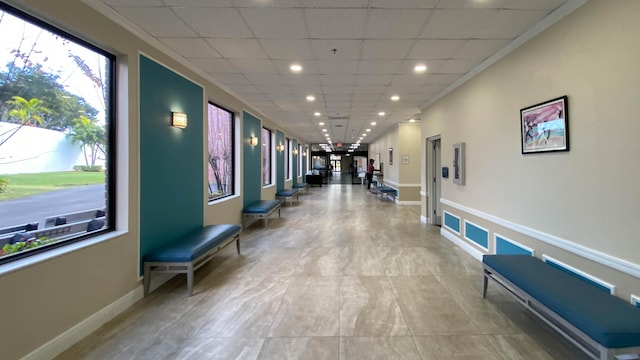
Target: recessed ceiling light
381,113
420,68
368,130
327,135
321,123
295,68
324,130
317,113
373,123
412,120
363,135
395,98
311,98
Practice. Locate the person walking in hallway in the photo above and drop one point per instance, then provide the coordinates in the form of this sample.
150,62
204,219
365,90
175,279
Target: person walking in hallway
369,173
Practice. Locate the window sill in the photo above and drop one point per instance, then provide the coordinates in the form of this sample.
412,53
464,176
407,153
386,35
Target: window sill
224,199
57,252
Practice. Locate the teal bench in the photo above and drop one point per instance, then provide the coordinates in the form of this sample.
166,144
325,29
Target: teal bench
187,253
385,190
261,210
303,186
600,324
288,194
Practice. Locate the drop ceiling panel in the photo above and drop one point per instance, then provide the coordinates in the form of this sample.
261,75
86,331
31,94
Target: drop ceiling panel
458,66
345,49
266,79
380,80
254,66
337,3
336,23
378,67
275,23
386,49
211,65
134,2
395,24
214,22
191,47
409,4
480,24
157,21
238,48
293,49
434,49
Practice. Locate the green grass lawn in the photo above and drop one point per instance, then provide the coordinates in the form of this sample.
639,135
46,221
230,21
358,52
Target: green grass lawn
22,185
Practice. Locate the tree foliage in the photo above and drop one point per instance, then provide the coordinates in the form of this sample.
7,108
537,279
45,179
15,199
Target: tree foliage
91,137
31,82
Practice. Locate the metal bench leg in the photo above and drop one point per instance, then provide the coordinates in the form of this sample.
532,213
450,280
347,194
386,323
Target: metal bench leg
484,284
190,279
238,244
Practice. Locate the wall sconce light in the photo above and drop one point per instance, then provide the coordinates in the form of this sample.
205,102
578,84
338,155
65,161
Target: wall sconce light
295,151
280,147
304,153
253,141
179,120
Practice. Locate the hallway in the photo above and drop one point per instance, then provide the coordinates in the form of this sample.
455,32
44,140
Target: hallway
341,275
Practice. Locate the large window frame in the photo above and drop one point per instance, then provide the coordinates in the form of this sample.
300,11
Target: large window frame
63,228
221,152
267,157
287,159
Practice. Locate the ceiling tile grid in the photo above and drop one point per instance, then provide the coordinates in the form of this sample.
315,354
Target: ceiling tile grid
354,54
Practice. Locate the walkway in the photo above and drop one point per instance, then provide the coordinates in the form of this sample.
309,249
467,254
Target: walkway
341,275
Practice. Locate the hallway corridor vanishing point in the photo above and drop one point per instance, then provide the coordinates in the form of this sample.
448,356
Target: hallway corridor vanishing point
342,275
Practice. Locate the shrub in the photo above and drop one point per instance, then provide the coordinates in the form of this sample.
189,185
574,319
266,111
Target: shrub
96,168
4,181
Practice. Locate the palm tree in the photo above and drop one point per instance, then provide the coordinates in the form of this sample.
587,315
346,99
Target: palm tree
91,137
24,113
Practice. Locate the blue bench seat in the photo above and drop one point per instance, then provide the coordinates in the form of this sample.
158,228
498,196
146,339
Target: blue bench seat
601,324
384,190
261,209
288,194
304,186
189,252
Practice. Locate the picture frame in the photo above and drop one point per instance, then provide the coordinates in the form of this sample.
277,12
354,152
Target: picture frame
544,127
391,156
458,163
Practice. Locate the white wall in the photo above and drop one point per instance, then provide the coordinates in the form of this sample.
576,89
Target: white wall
34,150
585,200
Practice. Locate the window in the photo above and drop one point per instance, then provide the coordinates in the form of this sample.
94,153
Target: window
287,159
56,137
300,156
220,139
266,157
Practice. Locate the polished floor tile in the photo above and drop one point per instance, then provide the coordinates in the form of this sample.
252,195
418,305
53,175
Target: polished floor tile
340,275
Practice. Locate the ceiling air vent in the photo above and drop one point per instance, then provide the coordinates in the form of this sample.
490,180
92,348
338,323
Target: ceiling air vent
338,117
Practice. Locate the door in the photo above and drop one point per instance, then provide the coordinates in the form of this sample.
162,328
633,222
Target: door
436,182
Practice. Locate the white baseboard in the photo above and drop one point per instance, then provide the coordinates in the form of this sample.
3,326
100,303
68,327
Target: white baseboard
408,202
477,254
424,219
78,332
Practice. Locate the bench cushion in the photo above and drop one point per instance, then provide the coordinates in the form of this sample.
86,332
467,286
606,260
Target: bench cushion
192,245
606,318
300,185
287,192
261,207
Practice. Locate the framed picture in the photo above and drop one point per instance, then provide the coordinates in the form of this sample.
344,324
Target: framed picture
458,163
544,126
390,156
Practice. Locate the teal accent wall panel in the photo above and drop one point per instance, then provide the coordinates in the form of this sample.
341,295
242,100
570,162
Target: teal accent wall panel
171,159
280,161
476,234
304,163
452,222
505,247
294,161
252,155
579,276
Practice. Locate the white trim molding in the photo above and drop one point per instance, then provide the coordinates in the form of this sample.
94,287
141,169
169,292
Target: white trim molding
618,264
477,254
424,219
79,331
611,287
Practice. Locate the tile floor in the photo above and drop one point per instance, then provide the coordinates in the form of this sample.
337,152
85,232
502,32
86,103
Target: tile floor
341,275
